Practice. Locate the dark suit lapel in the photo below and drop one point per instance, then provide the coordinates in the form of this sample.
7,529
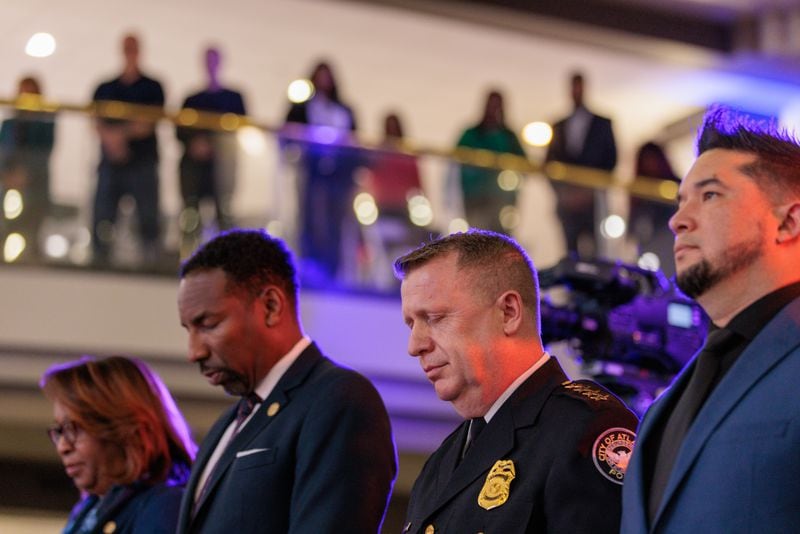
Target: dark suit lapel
203,455
113,502
655,416
281,394
452,458
771,345
499,436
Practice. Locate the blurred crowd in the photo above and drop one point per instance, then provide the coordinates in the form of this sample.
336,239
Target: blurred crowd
341,188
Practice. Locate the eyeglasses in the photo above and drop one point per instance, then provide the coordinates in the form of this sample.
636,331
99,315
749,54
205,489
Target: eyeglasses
69,431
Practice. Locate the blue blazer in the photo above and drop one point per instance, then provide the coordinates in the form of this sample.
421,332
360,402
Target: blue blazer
738,469
133,509
599,148
323,462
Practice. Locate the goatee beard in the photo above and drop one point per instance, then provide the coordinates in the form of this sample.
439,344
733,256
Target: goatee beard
702,276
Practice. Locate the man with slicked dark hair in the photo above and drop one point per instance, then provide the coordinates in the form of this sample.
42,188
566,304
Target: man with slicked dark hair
718,451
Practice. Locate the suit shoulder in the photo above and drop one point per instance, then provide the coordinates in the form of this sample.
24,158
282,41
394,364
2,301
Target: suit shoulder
342,383
154,509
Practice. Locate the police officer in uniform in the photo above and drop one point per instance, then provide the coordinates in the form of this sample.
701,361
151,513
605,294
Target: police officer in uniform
536,452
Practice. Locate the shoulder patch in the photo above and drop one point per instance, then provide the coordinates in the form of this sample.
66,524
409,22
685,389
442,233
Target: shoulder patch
612,451
587,389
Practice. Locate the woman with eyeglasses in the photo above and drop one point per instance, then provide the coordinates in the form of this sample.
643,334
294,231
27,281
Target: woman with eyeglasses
123,443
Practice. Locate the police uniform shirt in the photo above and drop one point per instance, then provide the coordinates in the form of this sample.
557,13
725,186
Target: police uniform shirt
551,459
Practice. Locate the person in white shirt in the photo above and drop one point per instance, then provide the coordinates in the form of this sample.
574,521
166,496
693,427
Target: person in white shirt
582,139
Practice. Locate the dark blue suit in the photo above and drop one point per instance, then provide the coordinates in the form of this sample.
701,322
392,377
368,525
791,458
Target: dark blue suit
133,509
576,204
738,469
324,462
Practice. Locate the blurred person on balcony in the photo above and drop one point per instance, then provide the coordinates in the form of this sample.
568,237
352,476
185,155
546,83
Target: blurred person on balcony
208,164
392,180
129,158
649,219
123,443
26,142
394,174
326,129
484,198
587,140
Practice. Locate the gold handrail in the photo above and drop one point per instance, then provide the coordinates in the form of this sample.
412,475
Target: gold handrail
649,188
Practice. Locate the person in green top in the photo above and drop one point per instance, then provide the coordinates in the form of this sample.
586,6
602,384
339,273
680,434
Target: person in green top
26,142
483,196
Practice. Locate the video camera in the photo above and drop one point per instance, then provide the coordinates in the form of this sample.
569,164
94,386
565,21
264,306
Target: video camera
630,328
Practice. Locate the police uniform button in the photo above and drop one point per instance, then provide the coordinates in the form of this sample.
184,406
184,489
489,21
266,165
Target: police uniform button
430,529
109,527
273,409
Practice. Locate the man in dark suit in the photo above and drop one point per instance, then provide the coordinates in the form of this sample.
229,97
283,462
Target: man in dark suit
309,447
718,452
129,158
553,454
586,140
208,165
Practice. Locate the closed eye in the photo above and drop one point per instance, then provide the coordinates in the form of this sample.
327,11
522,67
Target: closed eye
209,324
433,319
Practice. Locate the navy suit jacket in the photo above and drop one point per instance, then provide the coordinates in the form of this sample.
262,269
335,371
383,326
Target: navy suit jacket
132,509
599,148
549,428
738,469
324,462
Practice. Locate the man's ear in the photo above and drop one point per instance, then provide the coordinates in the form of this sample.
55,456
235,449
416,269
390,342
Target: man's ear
789,228
273,303
510,304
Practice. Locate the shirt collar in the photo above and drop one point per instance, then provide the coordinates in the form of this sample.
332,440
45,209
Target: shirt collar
750,321
268,383
514,385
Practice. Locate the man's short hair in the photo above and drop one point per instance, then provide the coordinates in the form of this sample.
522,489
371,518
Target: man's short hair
776,169
497,264
251,259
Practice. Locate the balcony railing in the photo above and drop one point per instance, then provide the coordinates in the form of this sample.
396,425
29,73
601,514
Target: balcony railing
347,207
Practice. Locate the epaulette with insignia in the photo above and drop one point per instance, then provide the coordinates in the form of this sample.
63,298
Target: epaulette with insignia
586,389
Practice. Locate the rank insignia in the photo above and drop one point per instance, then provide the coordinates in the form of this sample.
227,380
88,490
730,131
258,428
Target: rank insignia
612,451
497,487
587,390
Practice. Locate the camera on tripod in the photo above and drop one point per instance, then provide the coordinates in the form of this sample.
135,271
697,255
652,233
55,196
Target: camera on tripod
629,327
